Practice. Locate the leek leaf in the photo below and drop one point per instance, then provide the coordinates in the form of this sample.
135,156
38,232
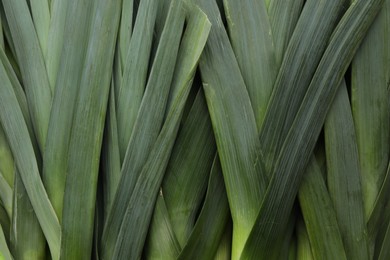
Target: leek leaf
344,181
210,226
306,128
319,215
85,146
15,128
32,65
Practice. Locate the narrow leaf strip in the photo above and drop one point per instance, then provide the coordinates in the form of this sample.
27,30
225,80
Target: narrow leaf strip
148,124
56,38
225,245
7,166
135,70
252,42
380,216
32,65
87,134
319,215
161,242
210,226
187,173
370,79
283,16
5,222
6,195
27,239
307,126
343,176
41,17
1,32
302,56
4,251
15,128
111,168
21,97
303,243
234,127
125,29
385,246
140,205
67,87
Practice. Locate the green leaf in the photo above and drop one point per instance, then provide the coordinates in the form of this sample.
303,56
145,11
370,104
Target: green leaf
344,180
32,65
161,242
307,44
5,222
7,166
110,159
283,17
306,128
17,134
149,171
135,71
186,177
41,18
6,194
385,246
319,215
27,239
234,127
87,133
370,78
55,158
303,243
380,217
56,38
225,245
4,251
185,180
125,29
253,45
148,123
21,98
212,221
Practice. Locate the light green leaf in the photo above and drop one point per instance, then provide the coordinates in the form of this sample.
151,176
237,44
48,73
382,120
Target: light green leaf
253,45
125,29
27,239
344,180
32,66
135,71
370,78
306,128
148,179
234,127
41,18
6,194
161,242
110,159
7,166
4,251
16,131
55,158
307,44
56,38
212,222
87,133
303,244
283,16
185,180
319,215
